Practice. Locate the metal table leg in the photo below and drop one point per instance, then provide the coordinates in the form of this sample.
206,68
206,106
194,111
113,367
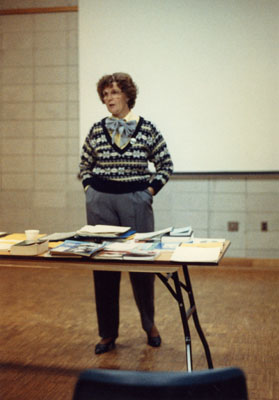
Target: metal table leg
185,315
190,293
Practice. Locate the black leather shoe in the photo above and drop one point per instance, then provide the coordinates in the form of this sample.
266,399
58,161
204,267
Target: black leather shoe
104,348
154,341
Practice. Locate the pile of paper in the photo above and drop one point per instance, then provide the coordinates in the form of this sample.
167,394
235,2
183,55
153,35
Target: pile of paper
200,250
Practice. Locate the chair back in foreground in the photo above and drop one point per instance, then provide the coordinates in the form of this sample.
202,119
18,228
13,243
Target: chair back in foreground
211,384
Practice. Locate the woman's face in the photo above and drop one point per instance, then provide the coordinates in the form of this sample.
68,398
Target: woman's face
116,101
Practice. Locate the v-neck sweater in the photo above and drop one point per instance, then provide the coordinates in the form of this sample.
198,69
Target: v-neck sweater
108,168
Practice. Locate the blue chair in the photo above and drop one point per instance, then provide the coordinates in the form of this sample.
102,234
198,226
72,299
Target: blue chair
211,384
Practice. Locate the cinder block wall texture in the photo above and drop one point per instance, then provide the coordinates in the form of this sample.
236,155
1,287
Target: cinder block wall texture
39,147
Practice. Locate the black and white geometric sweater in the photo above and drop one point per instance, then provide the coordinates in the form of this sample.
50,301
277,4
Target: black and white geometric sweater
108,168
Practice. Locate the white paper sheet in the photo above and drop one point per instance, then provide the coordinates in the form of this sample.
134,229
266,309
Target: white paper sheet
196,254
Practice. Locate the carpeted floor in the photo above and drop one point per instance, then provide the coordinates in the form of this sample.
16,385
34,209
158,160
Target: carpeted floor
48,329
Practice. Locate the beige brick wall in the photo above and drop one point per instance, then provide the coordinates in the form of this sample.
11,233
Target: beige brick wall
39,147
39,123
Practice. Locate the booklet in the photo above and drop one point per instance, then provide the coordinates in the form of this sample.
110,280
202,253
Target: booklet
77,248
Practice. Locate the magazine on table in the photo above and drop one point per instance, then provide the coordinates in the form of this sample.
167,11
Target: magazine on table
129,250
77,248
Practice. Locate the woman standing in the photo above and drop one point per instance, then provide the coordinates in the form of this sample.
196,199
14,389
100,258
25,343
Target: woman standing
119,191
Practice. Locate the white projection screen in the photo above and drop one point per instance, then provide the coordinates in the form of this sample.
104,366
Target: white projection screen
207,73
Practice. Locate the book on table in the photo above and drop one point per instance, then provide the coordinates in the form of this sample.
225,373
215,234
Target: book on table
76,248
167,235
130,250
128,255
29,247
103,231
180,232
57,236
6,244
156,235
178,235
93,232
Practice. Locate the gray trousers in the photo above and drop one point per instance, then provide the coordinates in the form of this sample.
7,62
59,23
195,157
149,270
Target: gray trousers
128,209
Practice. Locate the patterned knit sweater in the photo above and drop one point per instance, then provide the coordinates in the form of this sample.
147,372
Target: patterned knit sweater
108,168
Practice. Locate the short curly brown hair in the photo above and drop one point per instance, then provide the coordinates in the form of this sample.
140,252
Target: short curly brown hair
124,82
